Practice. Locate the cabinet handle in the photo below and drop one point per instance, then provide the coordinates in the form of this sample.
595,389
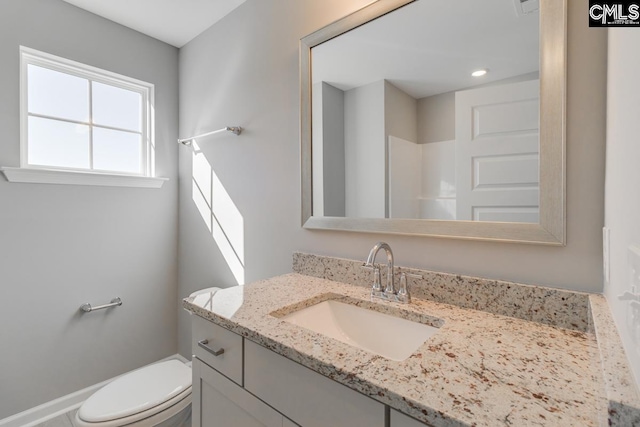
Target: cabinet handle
203,344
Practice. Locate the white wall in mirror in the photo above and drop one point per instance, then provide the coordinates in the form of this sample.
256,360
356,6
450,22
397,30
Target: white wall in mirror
397,79
431,46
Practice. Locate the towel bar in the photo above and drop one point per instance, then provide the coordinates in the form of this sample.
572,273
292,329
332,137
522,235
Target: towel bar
86,307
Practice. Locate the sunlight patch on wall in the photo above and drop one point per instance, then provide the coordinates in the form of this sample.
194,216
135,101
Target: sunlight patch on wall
219,213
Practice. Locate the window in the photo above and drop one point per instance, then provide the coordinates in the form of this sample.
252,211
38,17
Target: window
78,118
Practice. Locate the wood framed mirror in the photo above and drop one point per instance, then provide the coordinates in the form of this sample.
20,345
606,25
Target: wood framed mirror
501,173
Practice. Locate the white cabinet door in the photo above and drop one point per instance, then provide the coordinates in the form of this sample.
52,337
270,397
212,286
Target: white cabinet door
400,420
497,154
304,396
218,402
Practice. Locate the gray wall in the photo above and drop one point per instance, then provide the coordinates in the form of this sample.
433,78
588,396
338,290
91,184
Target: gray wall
400,114
61,246
244,70
364,151
333,147
400,120
622,204
437,118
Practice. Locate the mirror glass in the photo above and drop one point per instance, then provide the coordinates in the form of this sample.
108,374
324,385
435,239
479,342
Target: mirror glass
401,129
398,137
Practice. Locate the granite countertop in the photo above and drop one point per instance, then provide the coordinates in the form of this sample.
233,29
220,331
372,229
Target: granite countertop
480,369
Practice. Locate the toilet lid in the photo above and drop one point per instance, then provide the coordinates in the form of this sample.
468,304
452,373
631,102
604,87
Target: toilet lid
137,391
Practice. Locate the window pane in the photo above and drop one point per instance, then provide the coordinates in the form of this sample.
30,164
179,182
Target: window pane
56,143
117,151
117,107
57,94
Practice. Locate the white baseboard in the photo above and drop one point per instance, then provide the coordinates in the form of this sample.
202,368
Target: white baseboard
46,411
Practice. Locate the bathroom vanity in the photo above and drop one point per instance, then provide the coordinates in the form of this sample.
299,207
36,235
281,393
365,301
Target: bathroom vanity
504,354
237,384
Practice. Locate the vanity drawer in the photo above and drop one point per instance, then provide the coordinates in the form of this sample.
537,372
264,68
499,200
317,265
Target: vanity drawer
207,338
306,397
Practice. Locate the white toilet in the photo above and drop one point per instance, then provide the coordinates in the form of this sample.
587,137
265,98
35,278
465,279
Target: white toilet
157,395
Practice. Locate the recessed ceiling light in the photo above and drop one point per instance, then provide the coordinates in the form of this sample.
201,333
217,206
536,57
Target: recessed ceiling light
479,73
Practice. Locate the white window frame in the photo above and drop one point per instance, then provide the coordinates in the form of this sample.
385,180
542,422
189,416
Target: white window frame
64,175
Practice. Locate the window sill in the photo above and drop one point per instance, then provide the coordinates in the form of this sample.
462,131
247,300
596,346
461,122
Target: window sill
52,176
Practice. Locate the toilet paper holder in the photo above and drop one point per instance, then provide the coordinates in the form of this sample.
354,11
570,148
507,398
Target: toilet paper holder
86,307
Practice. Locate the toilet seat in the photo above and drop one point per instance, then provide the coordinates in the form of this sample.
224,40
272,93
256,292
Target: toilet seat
144,397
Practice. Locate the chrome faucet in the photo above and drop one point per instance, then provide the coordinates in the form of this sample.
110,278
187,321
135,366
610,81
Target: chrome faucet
389,290
389,293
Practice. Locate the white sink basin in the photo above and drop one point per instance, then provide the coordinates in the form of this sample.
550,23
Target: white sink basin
382,334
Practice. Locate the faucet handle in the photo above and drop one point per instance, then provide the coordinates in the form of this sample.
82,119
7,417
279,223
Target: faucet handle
403,291
377,286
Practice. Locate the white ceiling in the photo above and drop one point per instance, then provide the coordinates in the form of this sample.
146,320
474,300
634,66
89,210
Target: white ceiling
432,46
175,22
